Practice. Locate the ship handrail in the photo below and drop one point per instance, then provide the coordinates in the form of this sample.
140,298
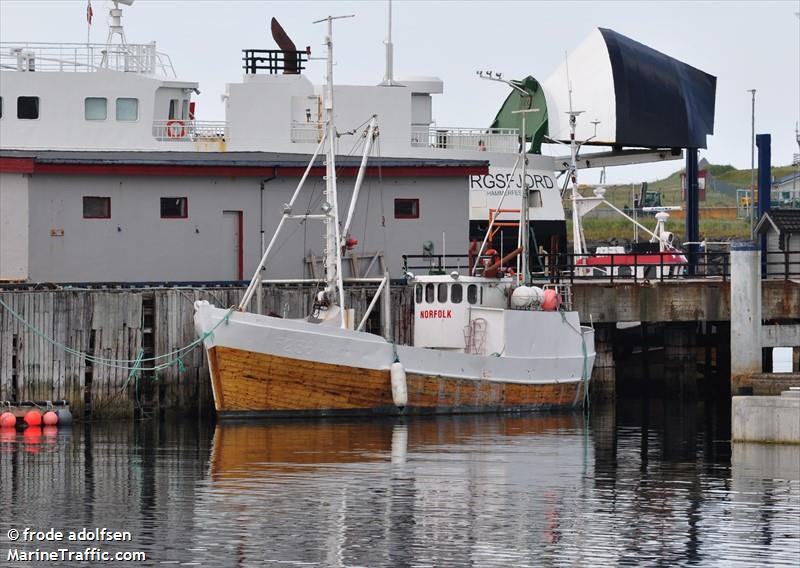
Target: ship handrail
85,57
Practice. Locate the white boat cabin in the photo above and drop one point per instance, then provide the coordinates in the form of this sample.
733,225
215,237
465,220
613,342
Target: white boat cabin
473,314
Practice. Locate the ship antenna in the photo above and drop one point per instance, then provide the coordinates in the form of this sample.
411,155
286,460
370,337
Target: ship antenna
333,246
388,77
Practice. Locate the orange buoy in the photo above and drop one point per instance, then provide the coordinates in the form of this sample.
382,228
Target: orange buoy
7,420
50,418
551,300
33,418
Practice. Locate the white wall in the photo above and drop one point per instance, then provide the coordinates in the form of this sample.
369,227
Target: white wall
13,226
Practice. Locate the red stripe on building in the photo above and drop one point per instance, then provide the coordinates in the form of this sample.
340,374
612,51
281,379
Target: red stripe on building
16,165
29,165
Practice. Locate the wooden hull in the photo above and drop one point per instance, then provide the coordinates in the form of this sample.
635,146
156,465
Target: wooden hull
248,383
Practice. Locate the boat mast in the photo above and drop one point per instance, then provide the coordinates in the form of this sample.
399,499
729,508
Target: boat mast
523,239
578,243
333,250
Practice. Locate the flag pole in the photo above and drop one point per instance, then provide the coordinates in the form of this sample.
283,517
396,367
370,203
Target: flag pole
89,14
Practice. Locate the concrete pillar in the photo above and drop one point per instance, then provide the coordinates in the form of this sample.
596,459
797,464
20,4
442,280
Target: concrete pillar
745,312
604,377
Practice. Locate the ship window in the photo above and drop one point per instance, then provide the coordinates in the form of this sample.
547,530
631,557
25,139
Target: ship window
442,293
185,110
174,208
456,294
472,294
96,207
173,109
429,293
94,108
28,108
1,107
406,208
127,109
418,293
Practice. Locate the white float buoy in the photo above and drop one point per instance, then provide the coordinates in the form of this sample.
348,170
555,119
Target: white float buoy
399,388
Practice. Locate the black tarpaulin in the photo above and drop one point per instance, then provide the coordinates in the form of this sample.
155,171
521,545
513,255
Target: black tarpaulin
660,101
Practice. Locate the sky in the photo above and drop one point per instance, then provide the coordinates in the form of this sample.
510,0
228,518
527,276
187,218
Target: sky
746,45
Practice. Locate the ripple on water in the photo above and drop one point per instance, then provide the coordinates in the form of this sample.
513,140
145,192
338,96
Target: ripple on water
448,491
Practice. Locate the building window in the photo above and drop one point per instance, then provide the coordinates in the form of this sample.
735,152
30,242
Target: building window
94,108
96,207
406,208
127,109
472,294
456,293
174,208
28,108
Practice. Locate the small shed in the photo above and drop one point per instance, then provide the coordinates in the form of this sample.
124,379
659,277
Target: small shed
781,227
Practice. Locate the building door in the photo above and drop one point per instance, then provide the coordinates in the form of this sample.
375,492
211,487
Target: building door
232,238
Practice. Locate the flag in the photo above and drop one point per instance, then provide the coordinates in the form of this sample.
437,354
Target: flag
89,13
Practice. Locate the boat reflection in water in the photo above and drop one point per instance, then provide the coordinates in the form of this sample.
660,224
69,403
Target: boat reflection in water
443,491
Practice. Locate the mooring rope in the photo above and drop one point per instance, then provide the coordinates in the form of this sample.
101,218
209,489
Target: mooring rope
133,365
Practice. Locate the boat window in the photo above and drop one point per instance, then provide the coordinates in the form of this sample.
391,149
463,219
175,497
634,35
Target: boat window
456,293
96,207
1,107
429,293
173,109
174,208
94,108
28,108
185,110
442,293
406,208
472,294
534,198
127,109
418,293
481,297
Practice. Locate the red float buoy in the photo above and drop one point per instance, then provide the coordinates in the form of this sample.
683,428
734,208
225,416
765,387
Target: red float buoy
50,418
33,418
7,420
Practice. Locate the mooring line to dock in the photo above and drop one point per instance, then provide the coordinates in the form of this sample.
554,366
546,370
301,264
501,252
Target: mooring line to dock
175,356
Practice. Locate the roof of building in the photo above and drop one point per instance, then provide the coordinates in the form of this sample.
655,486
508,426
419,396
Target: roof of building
781,220
218,159
786,179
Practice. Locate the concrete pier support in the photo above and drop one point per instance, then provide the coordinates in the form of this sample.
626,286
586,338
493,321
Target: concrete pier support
745,312
604,376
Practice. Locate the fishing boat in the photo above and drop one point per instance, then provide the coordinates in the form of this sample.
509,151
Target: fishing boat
486,339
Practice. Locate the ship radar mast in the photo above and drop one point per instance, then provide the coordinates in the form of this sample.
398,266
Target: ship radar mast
115,28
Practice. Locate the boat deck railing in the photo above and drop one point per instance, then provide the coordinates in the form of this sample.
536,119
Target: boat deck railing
622,267
179,130
85,57
504,140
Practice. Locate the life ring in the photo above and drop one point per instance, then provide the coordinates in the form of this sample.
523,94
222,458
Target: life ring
175,129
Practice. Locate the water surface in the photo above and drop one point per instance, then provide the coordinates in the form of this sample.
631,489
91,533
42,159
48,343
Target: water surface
642,483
